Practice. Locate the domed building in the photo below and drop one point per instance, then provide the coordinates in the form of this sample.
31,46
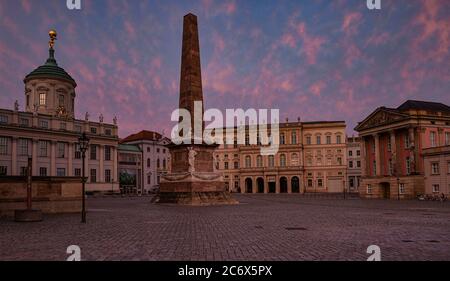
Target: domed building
48,131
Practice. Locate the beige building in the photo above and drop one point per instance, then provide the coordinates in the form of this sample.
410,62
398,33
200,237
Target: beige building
311,158
393,141
130,169
437,170
48,132
353,164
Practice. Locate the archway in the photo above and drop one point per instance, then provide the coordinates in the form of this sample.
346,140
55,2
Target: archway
260,183
385,190
295,184
283,185
248,185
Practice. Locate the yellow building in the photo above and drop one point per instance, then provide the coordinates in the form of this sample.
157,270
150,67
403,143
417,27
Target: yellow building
311,158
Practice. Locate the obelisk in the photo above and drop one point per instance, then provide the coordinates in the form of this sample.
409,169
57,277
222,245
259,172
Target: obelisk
192,180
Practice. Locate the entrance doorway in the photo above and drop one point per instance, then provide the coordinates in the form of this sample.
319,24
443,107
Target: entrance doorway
260,182
272,187
283,185
248,185
385,190
295,183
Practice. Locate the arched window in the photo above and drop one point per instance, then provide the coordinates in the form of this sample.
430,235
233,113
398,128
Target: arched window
271,161
259,161
148,163
294,137
248,161
282,138
283,160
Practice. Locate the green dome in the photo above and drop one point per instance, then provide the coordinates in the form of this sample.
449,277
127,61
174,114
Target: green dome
50,70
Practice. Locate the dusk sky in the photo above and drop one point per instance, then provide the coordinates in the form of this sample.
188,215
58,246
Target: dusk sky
314,59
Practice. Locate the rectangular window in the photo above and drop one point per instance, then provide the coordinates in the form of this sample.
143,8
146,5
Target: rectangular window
320,183
4,142
408,166
60,172
282,139
328,139
447,138
24,122
61,150
358,153
338,139
149,180
358,164
77,151
3,119
107,175
310,183
391,167
108,132
23,147
433,139
369,189
61,100
294,138
401,188
93,152
43,124
77,128
226,165
93,130
107,153
23,171
43,148
350,153
435,168
43,171
308,140
374,168
350,164
93,175
407,141
236,165
77,172
339,161
3,170
42,99
318,140
436,188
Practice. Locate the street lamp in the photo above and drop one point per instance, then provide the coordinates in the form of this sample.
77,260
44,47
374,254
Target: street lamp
83,142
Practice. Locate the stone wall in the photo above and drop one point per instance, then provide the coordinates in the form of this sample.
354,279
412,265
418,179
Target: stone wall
49,194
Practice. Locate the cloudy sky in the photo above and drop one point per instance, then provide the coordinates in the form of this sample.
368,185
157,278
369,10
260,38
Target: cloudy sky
314,59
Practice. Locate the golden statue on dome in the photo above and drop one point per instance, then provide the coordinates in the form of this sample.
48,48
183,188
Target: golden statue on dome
52,33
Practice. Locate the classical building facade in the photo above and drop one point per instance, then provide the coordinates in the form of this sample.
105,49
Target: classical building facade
130,169
311,158
48,132
393,141
437,169
155,157
353,164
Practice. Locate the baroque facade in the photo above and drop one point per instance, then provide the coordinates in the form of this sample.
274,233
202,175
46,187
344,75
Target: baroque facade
311,158
393,141
48,131
437,169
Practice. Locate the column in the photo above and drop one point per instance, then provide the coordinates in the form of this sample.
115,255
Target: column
101,155
393,151
70,155
14,157
289,184
412,156
363,157
377,154
52,158
35,156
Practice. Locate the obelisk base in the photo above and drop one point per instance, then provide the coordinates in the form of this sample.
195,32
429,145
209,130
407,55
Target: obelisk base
196,189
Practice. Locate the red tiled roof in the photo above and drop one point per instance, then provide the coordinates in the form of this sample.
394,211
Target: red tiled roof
143,135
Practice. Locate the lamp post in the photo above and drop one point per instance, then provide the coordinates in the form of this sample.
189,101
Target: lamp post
398,188
83,142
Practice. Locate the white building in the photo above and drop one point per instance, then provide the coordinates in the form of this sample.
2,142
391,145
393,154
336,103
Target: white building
155,157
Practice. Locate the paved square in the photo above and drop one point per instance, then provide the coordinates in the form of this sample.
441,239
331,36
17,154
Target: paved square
263,227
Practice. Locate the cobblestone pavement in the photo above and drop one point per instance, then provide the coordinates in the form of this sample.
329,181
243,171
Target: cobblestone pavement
262,227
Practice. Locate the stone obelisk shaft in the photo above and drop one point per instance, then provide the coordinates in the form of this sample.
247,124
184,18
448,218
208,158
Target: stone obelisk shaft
191,75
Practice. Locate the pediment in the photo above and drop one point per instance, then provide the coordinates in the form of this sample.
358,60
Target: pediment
381,117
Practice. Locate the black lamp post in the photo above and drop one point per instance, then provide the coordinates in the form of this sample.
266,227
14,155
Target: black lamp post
83,141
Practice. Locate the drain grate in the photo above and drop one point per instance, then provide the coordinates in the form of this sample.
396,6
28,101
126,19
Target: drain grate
295,228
